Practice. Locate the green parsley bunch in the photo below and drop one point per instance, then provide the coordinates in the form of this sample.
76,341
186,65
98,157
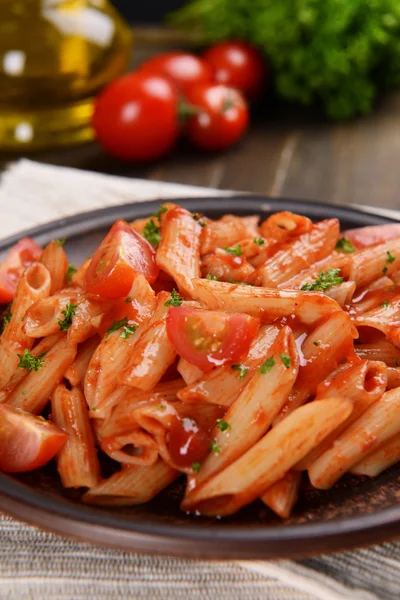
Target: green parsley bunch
335,53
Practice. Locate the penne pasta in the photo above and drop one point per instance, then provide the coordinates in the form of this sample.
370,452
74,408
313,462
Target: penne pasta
377,424
268,460
283,495
371,263
380,350
226,232
56,262
284,226
77,461
342,293
387,455
43,318
75,374
384,318
133,485
190,373
226,267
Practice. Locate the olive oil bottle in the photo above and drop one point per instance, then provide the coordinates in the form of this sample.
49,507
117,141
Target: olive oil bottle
55,55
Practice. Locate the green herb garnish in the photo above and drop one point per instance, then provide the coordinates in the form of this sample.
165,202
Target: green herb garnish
116,325
385,269
267,365
175,299
70,271
196,466
285,359
324,281
61,241
6,316
344,245
385,303
242,370
239,282
128,330
212,277
128,300
69,312
29,362
259,241
390,257
161,211
199,219
316,343
161,406
152,233
214,448
222,425
24,392
235,250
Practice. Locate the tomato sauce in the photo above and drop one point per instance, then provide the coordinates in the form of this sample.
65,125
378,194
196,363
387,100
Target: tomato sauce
188,442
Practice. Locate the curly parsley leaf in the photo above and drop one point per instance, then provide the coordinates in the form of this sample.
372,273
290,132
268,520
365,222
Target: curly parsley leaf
115,326
242,370
324,281
61,241
128,330
259,241
215,449
197,217
175,300
196,466
161,211
344,245
69,312
234,250
152,233
222,425
29,362
285,359
70,271
212,277
385,303
267,365
390,257
6,316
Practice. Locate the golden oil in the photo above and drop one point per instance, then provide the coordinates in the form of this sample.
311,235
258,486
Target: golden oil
55,55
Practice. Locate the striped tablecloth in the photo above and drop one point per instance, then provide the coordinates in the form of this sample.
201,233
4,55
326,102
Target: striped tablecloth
36,565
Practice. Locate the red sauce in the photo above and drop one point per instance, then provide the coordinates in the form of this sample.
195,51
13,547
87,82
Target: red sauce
188,442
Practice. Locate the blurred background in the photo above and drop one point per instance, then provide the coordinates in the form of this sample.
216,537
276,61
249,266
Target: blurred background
151,11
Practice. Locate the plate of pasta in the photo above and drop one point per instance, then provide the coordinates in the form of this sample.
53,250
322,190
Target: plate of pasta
213,377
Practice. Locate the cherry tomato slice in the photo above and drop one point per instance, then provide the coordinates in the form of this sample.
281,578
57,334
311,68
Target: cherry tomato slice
136,117
238,65
188,442
207,338
222,118
120,257
375,234
19,257
27,442
182,68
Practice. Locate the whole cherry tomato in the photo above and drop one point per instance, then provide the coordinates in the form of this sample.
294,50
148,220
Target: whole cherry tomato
222,116
183,68
238,65
120,257
136,117
19,257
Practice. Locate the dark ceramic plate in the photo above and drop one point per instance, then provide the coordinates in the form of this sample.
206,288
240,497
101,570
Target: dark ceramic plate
355,512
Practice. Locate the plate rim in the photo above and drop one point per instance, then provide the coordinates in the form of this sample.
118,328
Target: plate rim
77,521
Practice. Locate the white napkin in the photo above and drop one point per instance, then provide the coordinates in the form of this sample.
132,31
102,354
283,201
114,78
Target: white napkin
32,194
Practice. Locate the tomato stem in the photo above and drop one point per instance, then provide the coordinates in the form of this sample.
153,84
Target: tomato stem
186,110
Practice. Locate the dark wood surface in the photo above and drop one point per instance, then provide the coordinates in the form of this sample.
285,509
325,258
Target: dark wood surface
287,152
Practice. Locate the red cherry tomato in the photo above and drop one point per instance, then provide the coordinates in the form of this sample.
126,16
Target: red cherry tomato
19,257
136,117
238,65
120,257
222,119
207,338
188,443
183,68
375,234
27,442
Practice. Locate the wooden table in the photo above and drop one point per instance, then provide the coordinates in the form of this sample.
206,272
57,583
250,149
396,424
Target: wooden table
287,152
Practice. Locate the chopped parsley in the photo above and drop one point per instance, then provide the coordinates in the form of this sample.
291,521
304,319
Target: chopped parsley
385,303
6,316
199,219
24,392
390,257
212,277
161,406
175,299
234,250
324,281
69,312
344,245
161,211
241,369
223,425
285,359
128,300
239,282
29,362
196,466
214,448
70,271
128,330
316,343
385,269
259,241
61,242
152,233
267,365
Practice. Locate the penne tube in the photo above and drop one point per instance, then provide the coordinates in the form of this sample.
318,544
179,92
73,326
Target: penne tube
112,355
226,232
77,462
384,284
393,378
88,309
336,260
284,226
377,424
34,284
75,374
223,385
226,267
190,373
342,293
373,262
153,353
283,495
43,318
267,304
387,455
298,255
267,461
33,393
56,262
78,278
363,384
178,253
41,347
320,352
251,415
381,350
133,485
384,318
130,447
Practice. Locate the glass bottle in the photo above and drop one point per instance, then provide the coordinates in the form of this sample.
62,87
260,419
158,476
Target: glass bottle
55,55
